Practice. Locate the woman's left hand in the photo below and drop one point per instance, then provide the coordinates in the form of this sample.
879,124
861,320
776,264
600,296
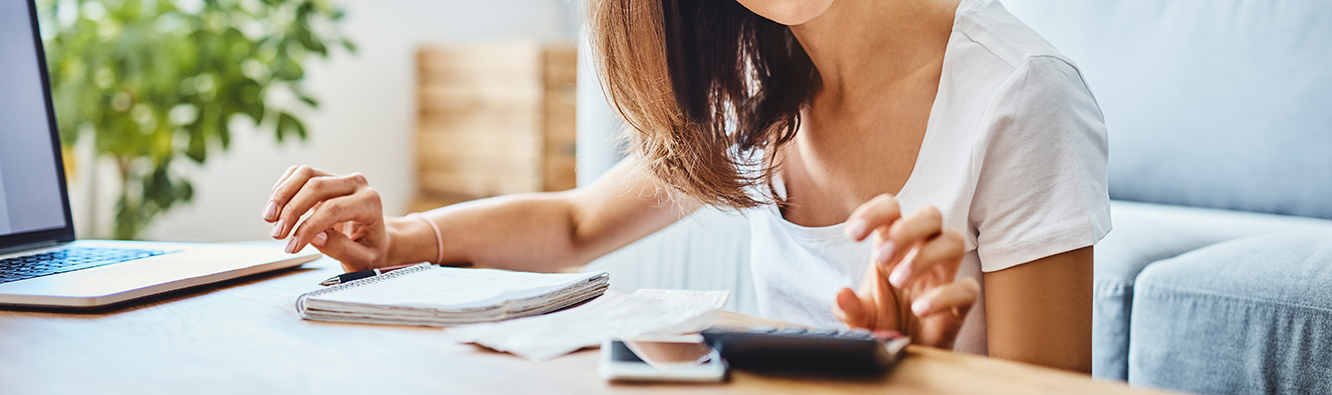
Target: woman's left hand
909,286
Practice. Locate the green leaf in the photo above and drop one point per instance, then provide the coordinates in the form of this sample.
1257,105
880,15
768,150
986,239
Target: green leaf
197,147
117,78
307,40
289,70
185,190
288,124
250,100
300,129
224,136
158,188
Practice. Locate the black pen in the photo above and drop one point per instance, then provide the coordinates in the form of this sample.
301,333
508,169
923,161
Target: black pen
353,276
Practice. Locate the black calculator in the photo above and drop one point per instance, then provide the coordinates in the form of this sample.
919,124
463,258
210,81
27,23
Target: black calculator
800,350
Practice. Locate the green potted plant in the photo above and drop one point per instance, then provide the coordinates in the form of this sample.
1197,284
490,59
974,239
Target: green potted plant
151,82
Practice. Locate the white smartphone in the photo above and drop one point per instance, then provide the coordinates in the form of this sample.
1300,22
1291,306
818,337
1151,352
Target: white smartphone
660,361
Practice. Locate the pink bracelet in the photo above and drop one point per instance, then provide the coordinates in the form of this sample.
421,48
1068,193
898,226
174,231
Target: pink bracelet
439,239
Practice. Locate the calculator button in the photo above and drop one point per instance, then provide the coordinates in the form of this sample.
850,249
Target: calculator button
856,334
762,329
792,331
823,332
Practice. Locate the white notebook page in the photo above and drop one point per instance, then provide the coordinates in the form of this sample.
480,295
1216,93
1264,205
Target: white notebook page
452,288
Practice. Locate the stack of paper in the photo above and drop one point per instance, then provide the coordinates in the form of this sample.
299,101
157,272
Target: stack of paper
647,314
438,296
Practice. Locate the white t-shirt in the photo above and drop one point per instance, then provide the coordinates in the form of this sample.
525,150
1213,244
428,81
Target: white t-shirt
1014,156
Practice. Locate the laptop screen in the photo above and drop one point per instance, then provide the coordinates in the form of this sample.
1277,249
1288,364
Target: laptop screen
31,196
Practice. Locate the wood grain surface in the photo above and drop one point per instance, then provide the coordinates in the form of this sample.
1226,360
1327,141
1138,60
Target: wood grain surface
494,119
244,336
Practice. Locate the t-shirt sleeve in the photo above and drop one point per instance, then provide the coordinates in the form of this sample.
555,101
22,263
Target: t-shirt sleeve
1041,185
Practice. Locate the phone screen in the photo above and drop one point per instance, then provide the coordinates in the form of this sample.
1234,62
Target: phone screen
662,355
660,361
620,352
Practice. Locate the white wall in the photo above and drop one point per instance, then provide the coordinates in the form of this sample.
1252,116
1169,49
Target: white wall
365,122
598,125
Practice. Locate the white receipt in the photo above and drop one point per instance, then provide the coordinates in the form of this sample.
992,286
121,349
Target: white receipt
646,312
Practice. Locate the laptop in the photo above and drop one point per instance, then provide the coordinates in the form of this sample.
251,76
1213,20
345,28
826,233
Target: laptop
41,264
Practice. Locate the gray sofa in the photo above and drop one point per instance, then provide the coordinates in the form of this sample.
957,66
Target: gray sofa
1220,119
1214,301
1217,277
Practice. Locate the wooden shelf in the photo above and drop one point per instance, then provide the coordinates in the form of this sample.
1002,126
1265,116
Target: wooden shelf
494,119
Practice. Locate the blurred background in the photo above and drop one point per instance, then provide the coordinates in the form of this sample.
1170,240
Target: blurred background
179,116
366,118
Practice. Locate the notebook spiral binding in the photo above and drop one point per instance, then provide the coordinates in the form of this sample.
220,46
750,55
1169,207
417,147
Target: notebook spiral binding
300,302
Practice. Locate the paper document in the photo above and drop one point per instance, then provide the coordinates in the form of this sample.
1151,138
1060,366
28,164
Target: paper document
614,314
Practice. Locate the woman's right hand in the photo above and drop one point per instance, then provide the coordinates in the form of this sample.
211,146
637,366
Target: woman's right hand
346,218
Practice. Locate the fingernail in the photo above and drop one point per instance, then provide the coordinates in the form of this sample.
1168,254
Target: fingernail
270,211
920,307
291,245
319,239
277,229
899,276
885,252
856,229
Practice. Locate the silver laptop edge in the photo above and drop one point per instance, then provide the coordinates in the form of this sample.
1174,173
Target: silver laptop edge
34,202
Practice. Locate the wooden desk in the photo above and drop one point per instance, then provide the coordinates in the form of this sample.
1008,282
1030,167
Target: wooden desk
245,337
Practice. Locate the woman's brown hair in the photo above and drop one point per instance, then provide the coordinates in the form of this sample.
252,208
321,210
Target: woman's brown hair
709,89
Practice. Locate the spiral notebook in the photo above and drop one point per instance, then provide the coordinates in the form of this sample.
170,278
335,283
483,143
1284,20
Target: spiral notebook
430,295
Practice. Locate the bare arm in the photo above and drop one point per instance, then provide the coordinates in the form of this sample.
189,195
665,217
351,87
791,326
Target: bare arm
533,232
1041,312
545,231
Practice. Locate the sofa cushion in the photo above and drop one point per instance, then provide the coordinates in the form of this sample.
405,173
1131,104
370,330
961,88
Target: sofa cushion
1223,104
1146,233
1247,316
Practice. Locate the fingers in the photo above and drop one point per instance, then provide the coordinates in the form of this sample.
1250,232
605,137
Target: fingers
285,174
337,245
943,253
896,235
921,225
849,309
911,249
271,209
287,187
362,206
874,307
315,190
942,312
954,299
879,212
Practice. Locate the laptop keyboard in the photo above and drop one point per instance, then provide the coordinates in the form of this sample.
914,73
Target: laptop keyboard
68,260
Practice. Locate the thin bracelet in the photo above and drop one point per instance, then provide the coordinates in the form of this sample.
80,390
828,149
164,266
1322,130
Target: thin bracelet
439,239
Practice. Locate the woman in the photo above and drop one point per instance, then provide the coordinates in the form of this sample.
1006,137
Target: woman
920,148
